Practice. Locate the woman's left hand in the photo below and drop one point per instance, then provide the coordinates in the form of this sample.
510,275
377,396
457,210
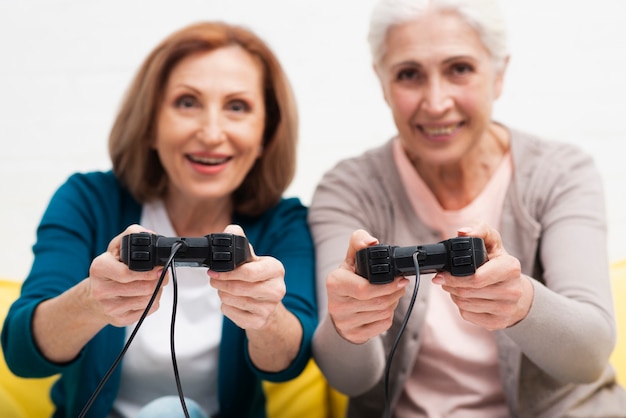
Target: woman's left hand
498,295
252,292
252,297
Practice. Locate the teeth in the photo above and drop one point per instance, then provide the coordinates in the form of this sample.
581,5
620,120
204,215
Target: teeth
441,130
207,160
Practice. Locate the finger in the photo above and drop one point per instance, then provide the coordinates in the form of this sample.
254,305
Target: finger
497,270
108,268
348,306
261,269
127,315
484,320
354,320
102,288
269,290
244,319
363,331
495,292
120,272
498,317
358,240
346,283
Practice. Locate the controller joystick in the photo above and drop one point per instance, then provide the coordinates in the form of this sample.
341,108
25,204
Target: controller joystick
219,252
460,256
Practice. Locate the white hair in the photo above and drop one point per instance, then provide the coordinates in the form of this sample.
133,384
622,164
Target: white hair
483,15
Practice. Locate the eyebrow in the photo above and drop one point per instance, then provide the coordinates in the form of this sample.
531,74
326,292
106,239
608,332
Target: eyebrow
185,86
460,58
413,63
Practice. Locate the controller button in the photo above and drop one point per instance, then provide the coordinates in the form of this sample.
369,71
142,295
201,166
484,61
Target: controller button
140,255
222,241
462,260
463,245
380,268
379,253
142,240
221,256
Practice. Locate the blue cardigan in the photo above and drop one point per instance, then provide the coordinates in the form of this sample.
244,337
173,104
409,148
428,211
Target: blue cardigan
83,216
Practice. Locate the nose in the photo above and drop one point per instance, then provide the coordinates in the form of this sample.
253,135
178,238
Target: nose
437,99
211,127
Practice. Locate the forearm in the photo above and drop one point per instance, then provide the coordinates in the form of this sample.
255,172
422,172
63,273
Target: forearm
273,347
583,335
63,325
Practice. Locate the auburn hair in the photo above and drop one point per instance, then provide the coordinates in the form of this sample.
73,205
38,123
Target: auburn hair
137,164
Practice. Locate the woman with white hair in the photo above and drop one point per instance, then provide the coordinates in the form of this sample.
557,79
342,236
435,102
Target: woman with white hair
530,333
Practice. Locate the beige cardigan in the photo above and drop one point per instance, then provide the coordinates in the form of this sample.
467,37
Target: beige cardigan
554,363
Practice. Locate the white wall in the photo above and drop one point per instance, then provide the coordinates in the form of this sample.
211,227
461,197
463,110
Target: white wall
64,65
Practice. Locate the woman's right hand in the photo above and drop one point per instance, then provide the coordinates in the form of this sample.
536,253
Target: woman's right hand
117,294
360,310
112,294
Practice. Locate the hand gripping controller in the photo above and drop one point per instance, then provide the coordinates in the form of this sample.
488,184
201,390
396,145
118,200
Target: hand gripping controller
461,256
220,252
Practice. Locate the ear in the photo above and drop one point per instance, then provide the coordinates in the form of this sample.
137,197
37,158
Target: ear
500,78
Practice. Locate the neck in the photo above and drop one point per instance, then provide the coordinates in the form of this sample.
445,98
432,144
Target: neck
198,218
457,184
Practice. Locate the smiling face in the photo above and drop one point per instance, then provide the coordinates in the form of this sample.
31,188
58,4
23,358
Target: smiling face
440,83
210,124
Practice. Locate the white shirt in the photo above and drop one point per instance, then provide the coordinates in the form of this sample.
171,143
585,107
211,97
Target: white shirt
147,371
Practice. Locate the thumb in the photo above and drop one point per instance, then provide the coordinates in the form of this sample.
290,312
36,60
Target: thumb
491,237
238,230
234,229
358,240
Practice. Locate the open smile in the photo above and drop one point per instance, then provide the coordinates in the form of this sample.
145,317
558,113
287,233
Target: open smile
208,161
439,130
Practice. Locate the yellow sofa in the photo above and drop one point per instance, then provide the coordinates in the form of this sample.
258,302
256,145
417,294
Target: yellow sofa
20,398
618,280
308,396
29,398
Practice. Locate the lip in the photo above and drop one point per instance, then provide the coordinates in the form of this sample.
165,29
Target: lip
208,164
440,131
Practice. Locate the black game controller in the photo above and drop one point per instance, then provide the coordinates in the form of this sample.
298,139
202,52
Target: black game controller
461,256
220,252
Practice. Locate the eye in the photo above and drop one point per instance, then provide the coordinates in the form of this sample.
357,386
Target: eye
408,74
461,68
238,106
186,101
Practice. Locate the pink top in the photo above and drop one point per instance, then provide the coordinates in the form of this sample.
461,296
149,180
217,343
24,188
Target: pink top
456,372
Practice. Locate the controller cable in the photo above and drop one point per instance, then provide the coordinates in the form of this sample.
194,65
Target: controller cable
169,264
402,328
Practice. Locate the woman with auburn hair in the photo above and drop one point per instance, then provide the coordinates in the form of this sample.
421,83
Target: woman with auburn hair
204,143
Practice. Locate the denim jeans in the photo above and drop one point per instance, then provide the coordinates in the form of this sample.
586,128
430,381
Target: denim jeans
170,407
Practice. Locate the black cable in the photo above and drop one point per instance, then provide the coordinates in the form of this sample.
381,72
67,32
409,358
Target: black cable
172,349
397,340
106,377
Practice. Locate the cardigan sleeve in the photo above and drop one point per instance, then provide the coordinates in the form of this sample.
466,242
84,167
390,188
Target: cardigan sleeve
342,203
572,306
81,218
